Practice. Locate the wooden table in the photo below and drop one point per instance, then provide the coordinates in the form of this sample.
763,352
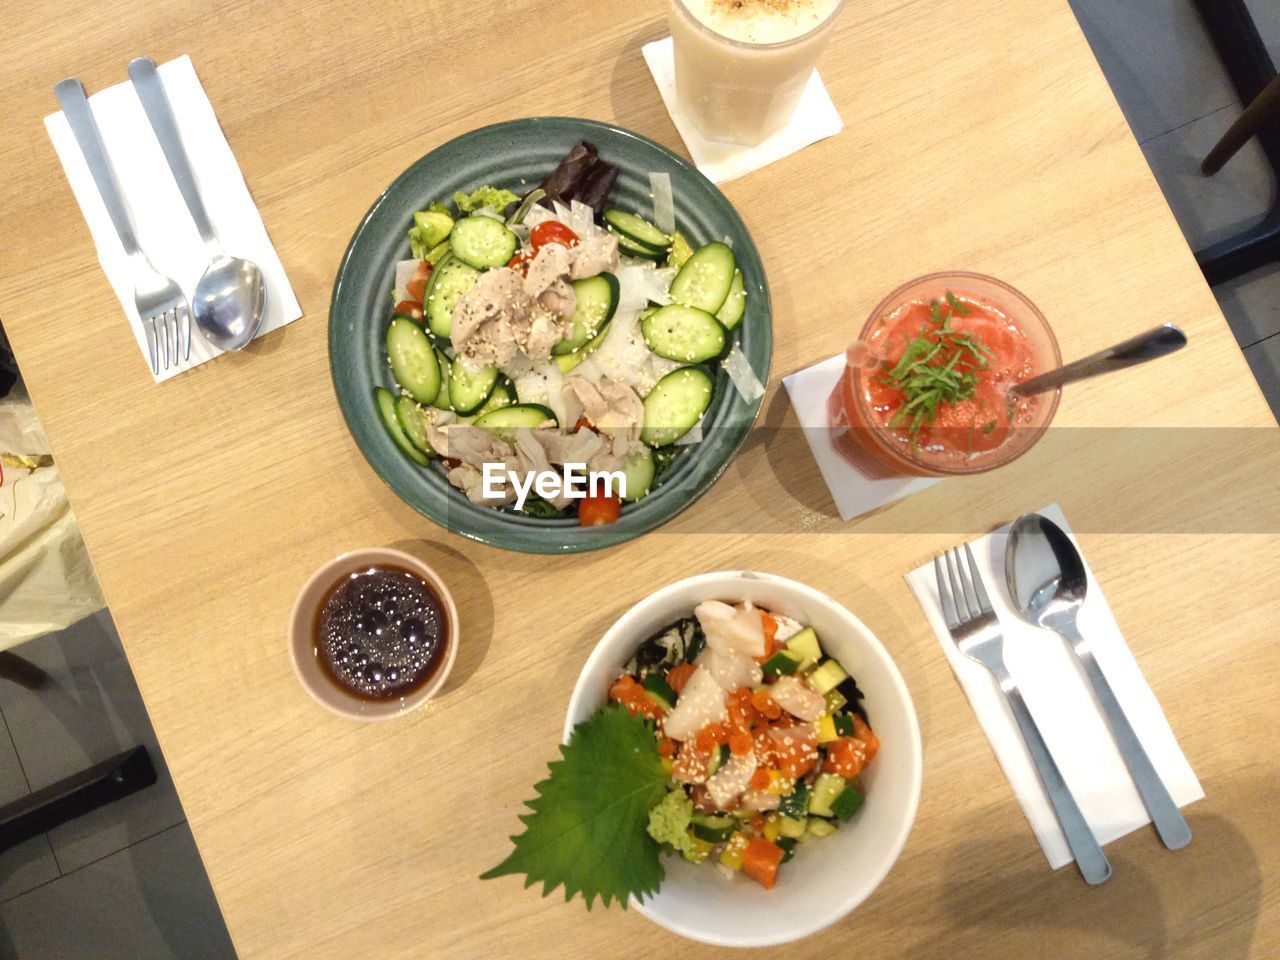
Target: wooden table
980,134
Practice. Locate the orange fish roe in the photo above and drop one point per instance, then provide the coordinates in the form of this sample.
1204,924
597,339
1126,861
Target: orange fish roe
741,743
666,747
757,822
760,780
704,741
631,695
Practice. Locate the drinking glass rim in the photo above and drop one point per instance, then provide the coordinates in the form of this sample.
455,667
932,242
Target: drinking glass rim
1053,396
743,44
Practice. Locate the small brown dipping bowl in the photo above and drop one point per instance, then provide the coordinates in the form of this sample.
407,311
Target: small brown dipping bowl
318,680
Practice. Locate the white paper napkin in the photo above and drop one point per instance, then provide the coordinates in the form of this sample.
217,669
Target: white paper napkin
161,221
1061,701
853,492
816,118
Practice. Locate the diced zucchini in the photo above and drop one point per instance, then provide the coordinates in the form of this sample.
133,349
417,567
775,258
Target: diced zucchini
719,757
731,856
659,691
792,827
844,724
835,700
784,662
820,828
827,676
847,803
826,788
827,728
788,845
796,803
713,829
772,828
805,643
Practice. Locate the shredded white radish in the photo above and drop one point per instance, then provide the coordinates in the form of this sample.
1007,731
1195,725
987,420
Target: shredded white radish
537,214
563,213
664,206
521,230
582,218
488,212
744,378
728,241
692,437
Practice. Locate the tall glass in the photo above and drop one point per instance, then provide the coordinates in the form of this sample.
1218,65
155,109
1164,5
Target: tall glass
741,65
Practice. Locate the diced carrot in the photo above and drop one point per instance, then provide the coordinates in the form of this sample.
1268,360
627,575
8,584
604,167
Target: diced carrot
760,861
760,779
679,675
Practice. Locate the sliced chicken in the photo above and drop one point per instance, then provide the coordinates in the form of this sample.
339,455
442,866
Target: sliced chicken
731,629
532,458
702,701
475,445
469,479
544,331
595,254
491,318
730,670
797,698
727,784
612,407
578,447
547,281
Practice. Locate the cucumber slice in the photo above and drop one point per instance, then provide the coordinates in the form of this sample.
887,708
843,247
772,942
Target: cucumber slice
570,361
819,828
735,304
794,806
441,402
684,333
413,359
503,395
468,391
414,424
784,662
713,829
790,828
450,279
705,278
827,676
805,645
719,757
386,402
595,300
505,421
843,723
639,473
633,249
675,404
435,226
826,788
638,229
483,242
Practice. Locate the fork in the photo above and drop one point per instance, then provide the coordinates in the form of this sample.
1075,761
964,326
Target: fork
162,306
976,631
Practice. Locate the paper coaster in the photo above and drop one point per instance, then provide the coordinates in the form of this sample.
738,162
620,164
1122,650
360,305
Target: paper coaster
854,493
816,118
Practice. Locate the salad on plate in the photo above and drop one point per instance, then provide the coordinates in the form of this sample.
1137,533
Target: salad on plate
729,739
550,329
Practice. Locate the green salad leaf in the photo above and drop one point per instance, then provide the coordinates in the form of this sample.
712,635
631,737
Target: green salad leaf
484,197
587,827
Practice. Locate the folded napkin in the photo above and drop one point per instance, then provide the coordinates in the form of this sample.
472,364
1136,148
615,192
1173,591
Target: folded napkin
1060,699
161,221
853,492
816,118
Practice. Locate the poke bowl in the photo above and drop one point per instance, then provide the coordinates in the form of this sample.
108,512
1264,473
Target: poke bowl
828,876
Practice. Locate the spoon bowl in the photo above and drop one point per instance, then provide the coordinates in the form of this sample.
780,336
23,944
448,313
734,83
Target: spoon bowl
228,302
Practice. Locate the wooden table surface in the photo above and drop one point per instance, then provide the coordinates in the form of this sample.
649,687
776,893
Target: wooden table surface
980,134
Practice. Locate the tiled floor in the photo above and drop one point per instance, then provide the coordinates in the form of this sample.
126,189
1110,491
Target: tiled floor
1178,100
127,881
124,881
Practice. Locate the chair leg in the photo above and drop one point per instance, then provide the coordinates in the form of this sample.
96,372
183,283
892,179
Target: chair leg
20,671
1264,110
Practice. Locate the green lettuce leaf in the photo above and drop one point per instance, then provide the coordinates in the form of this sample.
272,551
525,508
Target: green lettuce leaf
492,197
587,829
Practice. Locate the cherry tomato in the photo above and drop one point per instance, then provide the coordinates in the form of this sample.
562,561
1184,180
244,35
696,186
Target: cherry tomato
596,511
552,231
417,287
520,262
582,424
410,308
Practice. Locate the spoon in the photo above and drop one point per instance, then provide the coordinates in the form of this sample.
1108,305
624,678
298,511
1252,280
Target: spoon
229,299
1047,583
1157,342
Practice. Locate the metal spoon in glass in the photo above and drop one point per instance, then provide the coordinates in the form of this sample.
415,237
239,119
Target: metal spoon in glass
230,297
1047,582
1157,342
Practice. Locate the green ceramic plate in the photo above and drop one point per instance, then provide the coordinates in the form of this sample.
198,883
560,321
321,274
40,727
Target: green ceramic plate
518,155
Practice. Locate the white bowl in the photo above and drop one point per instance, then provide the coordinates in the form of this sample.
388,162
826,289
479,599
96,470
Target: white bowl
830,876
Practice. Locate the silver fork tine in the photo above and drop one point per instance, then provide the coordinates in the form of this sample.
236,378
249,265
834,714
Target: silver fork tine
944,597
984,602
164,340
149,328
174,311
184,331
959,587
